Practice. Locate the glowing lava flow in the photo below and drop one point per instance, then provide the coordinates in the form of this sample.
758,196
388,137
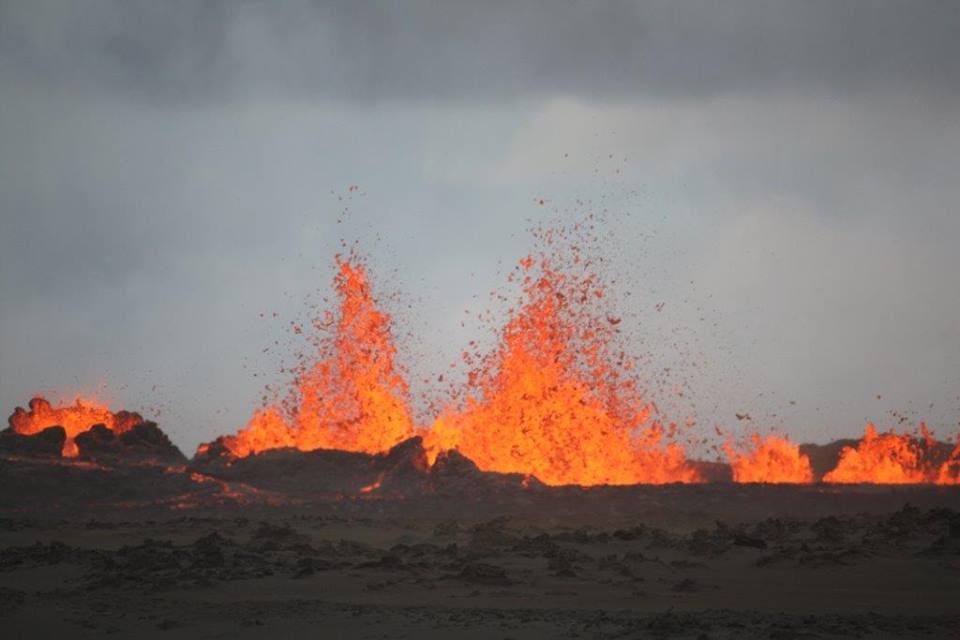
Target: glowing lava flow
554,400
74,418
772,460
885,458
353,397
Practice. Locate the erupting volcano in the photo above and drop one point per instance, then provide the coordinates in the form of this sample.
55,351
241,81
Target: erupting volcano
75,418
557,397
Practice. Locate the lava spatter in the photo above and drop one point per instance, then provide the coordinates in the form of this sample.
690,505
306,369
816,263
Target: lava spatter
886,458
75,418
555,398
351,395
772,460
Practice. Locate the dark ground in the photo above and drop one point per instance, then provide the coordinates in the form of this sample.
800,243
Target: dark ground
286,545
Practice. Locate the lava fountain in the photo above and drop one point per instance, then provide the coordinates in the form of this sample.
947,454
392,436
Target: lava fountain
888,458
774,460
556,399
75,418
351,396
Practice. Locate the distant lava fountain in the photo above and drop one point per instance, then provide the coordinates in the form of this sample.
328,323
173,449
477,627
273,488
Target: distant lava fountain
352,397
889,458
75,419
555,399
773,460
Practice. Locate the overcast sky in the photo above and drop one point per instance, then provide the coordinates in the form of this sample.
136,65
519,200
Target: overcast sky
783,176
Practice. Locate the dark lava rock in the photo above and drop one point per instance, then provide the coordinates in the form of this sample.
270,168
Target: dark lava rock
96,438
453,464
389,562
562,566
453,472
492,534
404,467
208,551
48,442
277,536
687,585
832,529
402,471
145,441
148,437
743,540
11,599
306,567
37,554
323,471
161,564
484,573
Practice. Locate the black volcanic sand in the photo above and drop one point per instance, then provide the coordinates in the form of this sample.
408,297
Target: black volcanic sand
285,544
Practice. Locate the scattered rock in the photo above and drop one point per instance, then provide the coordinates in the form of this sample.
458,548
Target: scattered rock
484,573
47,443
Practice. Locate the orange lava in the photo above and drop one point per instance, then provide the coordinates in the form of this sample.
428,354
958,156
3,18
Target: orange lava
352,397
773,460
885,458
949,472
554,400
75,418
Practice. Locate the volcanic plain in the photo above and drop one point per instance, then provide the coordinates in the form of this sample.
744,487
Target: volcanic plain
130,538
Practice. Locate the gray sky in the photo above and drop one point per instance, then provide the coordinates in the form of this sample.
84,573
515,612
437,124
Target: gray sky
783,176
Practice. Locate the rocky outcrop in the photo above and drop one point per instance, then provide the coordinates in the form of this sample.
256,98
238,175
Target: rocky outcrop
145,442
47,443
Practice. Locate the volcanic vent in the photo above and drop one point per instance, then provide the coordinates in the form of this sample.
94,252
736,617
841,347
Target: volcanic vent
349,396
85,428
556,398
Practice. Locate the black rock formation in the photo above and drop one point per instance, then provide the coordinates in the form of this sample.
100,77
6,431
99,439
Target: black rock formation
144,442
48,442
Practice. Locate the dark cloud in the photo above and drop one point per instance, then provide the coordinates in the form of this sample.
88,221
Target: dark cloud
201,51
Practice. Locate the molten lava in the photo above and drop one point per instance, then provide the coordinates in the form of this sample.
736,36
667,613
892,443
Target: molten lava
772,460
886,458
74,418
352,397
949,472
554,400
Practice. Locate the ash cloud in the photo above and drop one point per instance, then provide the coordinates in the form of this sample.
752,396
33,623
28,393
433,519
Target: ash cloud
422,51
